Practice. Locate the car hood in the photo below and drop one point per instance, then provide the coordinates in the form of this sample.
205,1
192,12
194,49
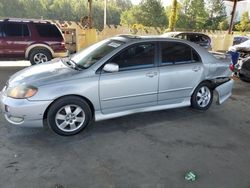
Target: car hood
42,74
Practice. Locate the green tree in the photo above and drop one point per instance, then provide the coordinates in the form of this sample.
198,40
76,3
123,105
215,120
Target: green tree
216,13
244,22
12,8
121,4
223,25
148,13
153,14
113,14
173,16
62,10
196,13
1,8
34,8
183,21
131,16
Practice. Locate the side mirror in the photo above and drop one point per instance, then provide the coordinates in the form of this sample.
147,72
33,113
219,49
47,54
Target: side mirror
111,67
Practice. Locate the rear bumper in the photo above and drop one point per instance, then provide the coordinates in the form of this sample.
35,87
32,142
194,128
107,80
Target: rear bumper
224,91
22,112
61,54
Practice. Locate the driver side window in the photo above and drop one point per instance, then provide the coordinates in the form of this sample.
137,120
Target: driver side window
136,57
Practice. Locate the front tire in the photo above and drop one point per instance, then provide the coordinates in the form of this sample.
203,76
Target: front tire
202,97
69,115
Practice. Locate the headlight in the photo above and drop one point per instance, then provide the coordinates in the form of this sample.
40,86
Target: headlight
21,91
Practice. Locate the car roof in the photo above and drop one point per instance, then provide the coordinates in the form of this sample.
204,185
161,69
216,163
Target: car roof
23,20
175,33
141,38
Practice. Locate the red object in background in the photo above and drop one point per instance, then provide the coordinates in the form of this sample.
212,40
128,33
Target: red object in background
18,37
231,66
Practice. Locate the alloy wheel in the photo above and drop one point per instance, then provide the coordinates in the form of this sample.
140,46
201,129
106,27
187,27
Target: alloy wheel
40,58
203,96
70,118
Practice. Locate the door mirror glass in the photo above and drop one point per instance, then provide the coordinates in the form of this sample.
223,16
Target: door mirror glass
111,67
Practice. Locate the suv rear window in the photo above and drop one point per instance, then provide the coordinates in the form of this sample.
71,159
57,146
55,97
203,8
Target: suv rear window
48,31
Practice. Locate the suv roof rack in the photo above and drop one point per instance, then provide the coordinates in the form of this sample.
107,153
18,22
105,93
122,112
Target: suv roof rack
25,20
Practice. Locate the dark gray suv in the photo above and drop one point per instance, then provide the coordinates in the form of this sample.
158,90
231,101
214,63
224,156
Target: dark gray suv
198,38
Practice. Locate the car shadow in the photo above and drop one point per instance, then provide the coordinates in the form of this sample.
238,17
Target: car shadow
44,136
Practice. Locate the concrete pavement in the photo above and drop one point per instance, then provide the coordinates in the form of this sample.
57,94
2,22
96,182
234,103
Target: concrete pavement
143,150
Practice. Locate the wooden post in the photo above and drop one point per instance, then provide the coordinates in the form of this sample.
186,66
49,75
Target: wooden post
90,14
105,14
232,18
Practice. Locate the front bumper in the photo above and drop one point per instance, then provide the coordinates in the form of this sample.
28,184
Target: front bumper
22,112
224,91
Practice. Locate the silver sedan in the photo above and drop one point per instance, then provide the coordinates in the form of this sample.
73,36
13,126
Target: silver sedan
112,78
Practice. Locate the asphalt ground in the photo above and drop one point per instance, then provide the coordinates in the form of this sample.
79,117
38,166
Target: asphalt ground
146,150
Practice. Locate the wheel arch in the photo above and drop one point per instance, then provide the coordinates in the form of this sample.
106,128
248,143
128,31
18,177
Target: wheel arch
73,95
210,82
34,46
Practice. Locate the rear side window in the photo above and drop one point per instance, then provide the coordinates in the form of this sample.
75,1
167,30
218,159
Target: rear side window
15,30
182,36
194,38
178,53
47,30
204,39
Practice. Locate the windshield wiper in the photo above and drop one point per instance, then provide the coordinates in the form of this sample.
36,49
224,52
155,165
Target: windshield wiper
70,63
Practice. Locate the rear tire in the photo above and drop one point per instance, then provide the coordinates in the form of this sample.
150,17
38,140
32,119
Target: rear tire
202,97
39,55
69,115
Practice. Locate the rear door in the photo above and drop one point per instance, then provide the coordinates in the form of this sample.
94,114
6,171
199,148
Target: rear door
16,38
136,83
51,35
180,71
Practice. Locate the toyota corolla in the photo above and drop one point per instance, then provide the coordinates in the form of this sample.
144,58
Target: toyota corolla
112,78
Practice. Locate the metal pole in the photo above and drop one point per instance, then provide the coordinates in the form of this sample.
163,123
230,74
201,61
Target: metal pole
232,17
105,14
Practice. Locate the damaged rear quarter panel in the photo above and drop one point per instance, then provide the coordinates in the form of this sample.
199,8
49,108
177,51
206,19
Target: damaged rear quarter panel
219,73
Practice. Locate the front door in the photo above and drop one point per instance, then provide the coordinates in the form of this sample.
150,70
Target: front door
135,85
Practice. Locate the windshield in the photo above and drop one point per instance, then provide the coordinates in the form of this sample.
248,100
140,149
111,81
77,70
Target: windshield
89,56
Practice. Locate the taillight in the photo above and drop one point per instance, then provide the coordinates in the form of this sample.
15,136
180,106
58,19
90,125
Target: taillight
63,44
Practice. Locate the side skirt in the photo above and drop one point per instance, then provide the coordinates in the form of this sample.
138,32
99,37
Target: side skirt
100,116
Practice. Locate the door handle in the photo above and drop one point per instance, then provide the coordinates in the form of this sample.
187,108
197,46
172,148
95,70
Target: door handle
151,74
197,68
